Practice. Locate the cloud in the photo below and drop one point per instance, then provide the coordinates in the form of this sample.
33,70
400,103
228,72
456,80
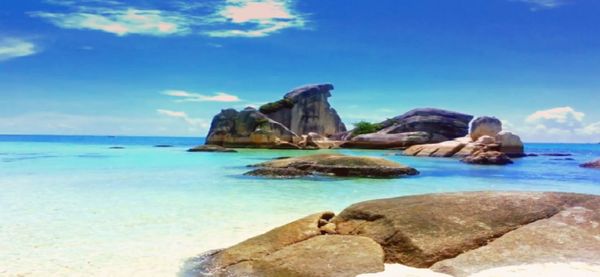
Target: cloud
223,18
11,48
544,4
562,124
258,17
121,21
196,97
194,122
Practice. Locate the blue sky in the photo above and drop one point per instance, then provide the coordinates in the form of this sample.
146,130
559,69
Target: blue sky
166,67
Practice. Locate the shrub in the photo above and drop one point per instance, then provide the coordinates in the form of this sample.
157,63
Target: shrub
277,105
364,127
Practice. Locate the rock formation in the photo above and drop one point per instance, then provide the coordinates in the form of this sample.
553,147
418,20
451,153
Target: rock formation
502,145
485,126
594,164
455,233
418,126
333,165
279,124
306,109
211,148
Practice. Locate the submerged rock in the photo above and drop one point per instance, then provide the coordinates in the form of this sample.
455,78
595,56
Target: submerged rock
594,164
287,172
487,158
485,126
422,230
163,145
335,165
211,148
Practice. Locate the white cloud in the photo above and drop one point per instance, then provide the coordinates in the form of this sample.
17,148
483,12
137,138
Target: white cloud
227,18
196,97
120,21
193,122
258,18
562,124
11,48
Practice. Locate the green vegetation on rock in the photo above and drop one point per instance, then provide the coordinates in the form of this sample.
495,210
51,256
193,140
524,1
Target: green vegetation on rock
277,105
364,127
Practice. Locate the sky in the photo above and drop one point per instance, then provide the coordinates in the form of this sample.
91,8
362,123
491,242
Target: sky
165,68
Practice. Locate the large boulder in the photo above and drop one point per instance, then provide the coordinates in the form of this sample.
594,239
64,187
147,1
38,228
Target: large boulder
421,230
333,165
306,109
510,144
567,237
248,128
300,248
485,126
441,125
442,149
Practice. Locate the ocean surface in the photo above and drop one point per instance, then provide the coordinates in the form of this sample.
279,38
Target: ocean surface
75,206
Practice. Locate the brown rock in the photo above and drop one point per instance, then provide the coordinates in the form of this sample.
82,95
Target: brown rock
278,172
573,235
487,158
510,144
343,166
324,256
422,230
485,126
594,165
442,149
381,140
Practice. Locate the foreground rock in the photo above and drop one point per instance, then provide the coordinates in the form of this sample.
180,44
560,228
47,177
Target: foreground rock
334,165
422,230
594,165
211,148
296,249
567,237
418,126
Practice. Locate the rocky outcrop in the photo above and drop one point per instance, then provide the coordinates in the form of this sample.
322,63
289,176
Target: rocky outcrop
332,165
422,230
487,158
306,109
485,135
415,127
211,148
461,234
510,144
569,236
593,165
485,126
300,248
248,128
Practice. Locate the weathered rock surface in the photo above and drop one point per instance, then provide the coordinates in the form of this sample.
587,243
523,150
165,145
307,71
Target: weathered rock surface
382,140
422,230
274,172
573,235
211,148
442,125
296,249
335,165
487,158
594,165
306,109
485,126
510,144
248,128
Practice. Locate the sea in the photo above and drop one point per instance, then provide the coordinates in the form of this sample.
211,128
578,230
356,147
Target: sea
143,206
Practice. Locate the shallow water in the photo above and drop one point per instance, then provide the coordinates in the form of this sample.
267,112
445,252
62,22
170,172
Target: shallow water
71,206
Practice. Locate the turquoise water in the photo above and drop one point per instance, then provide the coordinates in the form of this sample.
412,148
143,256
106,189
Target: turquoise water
71,206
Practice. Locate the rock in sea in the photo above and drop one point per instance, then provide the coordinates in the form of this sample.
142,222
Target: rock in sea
211,148
594,164
487,158
485,126
333,165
